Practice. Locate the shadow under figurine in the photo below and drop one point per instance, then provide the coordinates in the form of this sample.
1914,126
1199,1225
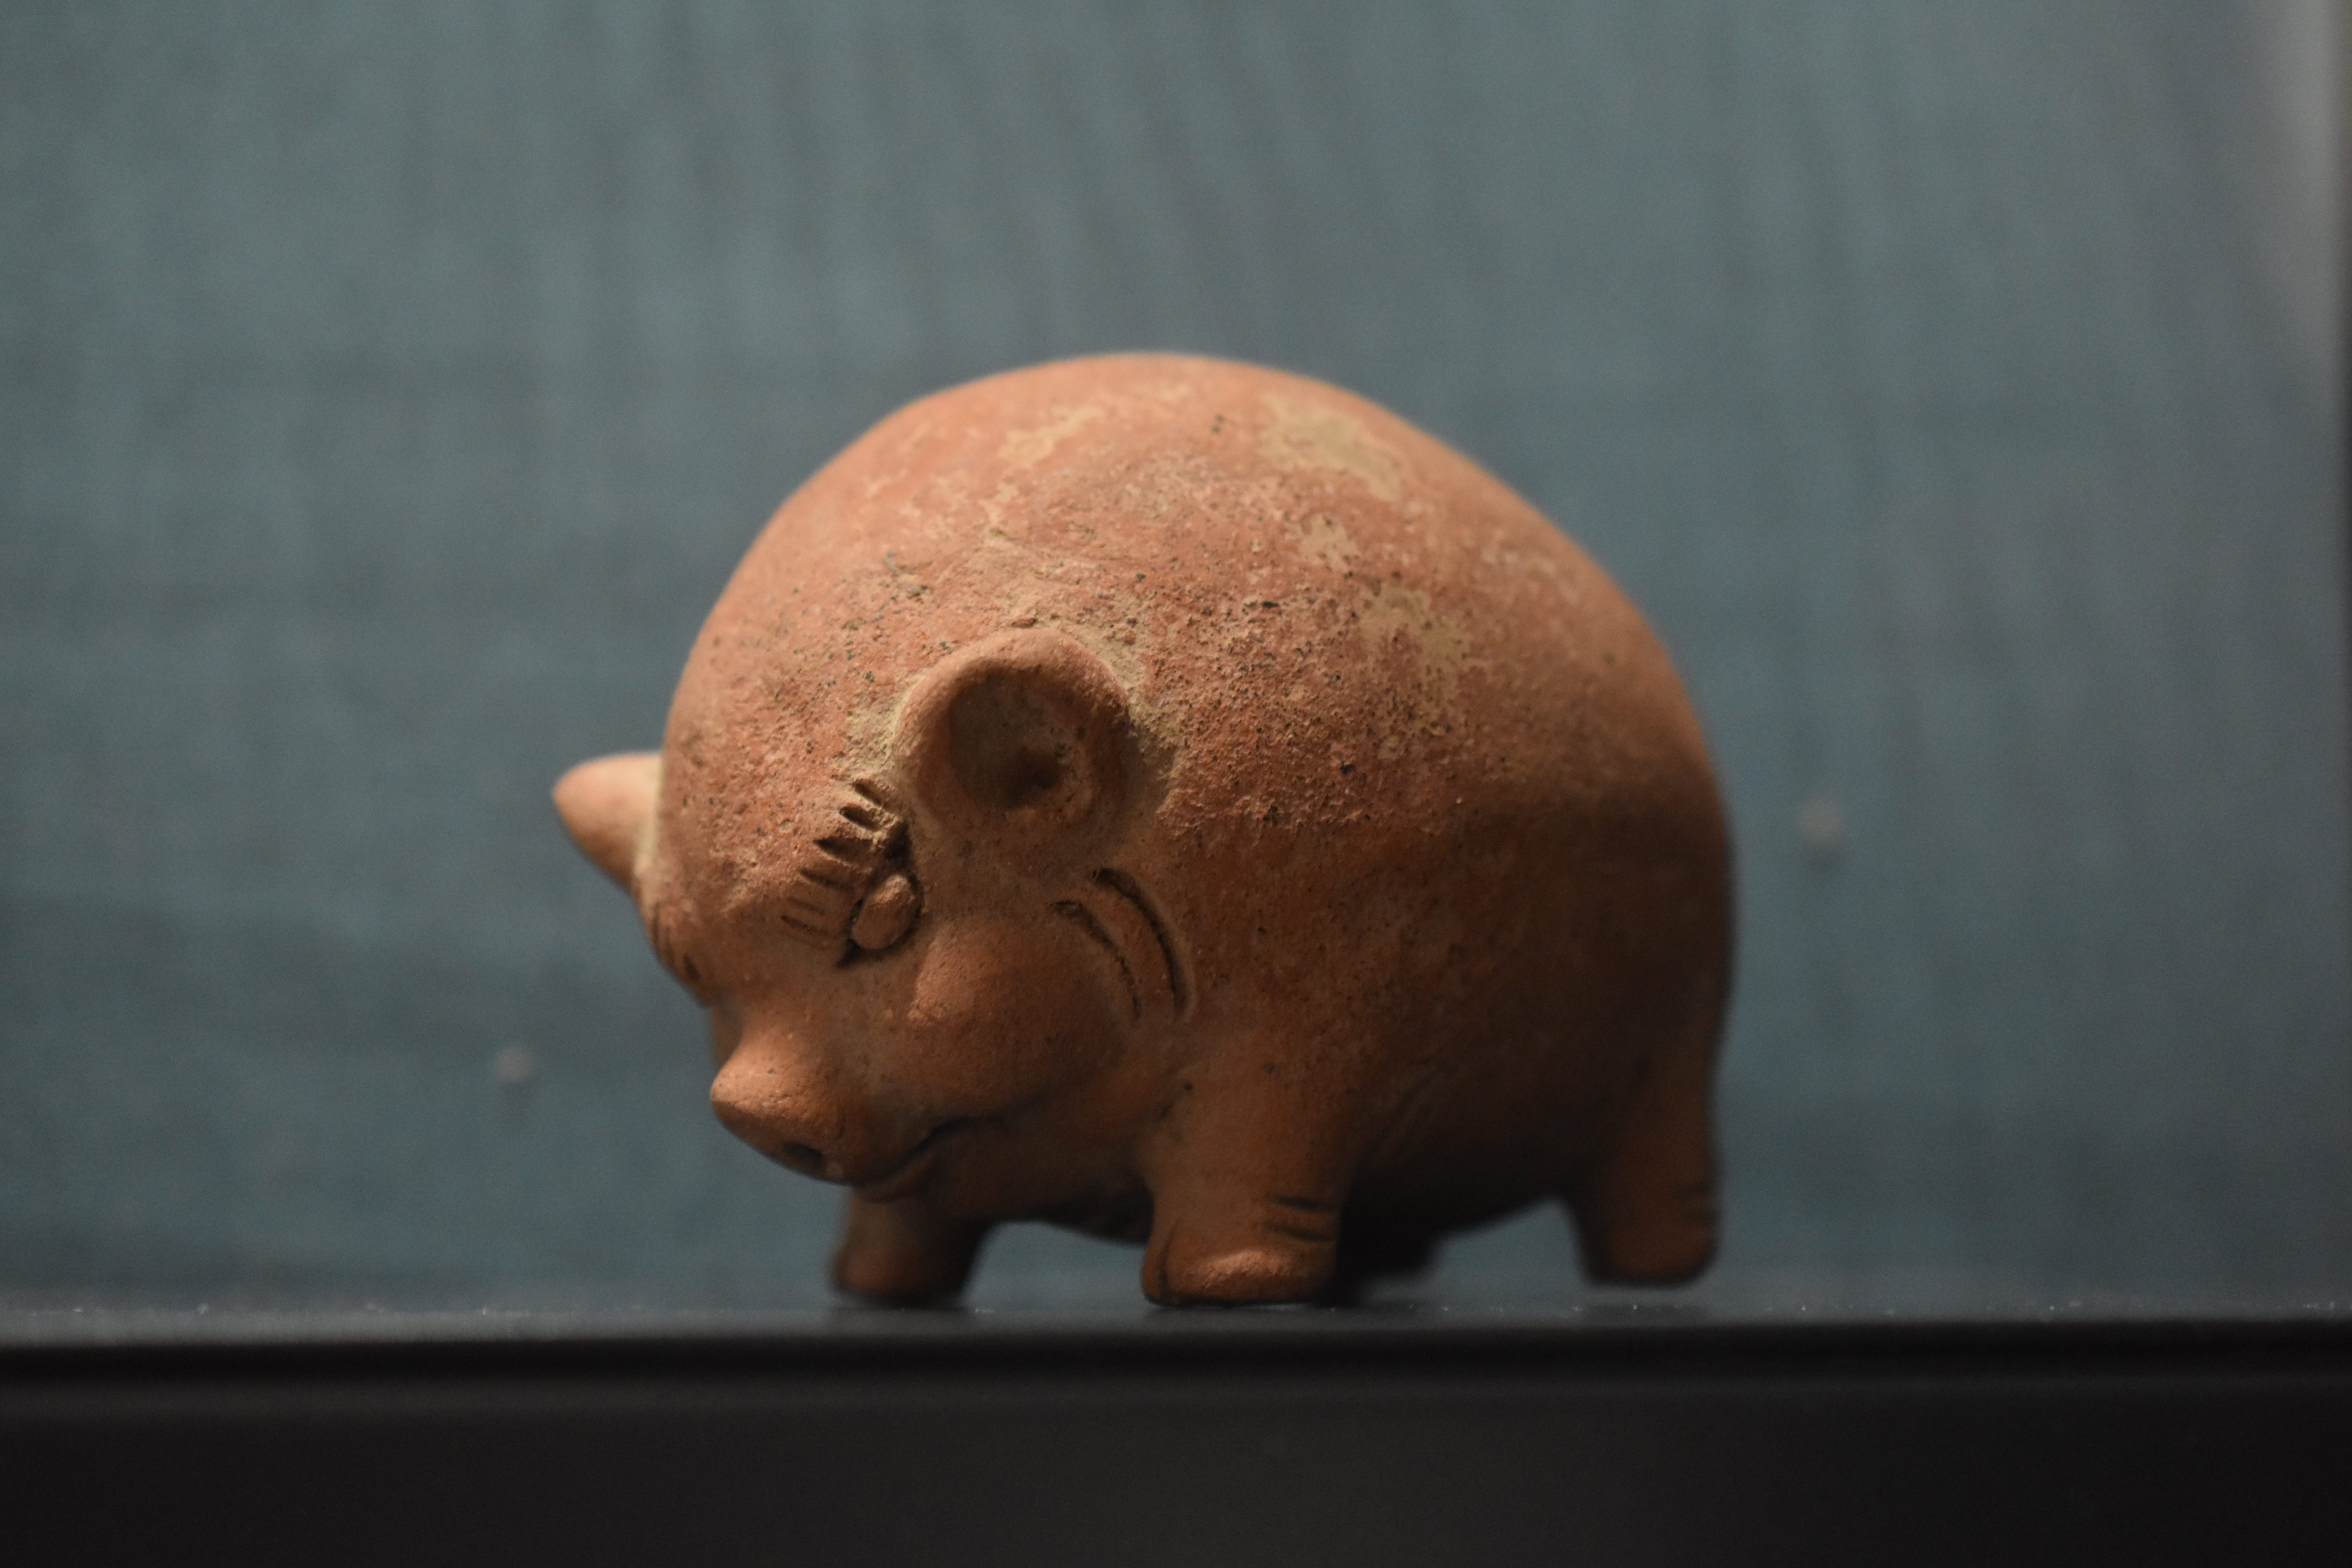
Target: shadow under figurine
1183,802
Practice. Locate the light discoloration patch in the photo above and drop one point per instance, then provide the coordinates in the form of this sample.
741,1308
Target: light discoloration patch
1407,614
1027,449
1321,541
1310,435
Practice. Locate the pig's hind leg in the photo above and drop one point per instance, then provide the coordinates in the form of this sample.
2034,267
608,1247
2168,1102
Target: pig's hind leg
905,1252
1645,1210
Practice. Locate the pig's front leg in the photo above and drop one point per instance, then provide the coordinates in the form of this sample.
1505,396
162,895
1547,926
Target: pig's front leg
905,1252
1247,1185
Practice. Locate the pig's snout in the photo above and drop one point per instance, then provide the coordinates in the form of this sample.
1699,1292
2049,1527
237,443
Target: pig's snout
793,1124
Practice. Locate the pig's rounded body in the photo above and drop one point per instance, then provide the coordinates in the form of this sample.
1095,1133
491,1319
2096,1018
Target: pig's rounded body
1314,851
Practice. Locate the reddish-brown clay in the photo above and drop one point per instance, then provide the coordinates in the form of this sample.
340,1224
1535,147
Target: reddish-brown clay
1184,802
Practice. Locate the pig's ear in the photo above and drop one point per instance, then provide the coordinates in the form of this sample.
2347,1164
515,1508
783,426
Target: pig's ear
1020,740
608,806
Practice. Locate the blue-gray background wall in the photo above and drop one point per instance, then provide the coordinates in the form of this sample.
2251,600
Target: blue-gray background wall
386,391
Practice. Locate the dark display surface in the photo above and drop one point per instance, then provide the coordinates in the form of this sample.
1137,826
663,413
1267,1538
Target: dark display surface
1283,1438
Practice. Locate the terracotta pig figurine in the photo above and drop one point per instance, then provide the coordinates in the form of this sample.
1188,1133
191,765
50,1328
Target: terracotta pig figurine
1183,802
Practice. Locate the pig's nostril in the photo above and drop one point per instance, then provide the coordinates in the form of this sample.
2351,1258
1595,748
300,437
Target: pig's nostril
803,1157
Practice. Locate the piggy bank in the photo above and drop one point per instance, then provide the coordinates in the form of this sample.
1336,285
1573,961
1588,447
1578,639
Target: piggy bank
1183,802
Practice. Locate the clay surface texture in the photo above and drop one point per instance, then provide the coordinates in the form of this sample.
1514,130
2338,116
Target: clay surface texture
1183,802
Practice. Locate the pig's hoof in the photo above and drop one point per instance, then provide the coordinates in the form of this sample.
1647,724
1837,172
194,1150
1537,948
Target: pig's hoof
898,1281
904,1253
1664,1242
1246,1276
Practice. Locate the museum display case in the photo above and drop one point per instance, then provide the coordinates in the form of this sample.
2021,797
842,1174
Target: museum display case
1957,393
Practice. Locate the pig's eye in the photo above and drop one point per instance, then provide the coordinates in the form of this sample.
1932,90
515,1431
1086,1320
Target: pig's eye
886,915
